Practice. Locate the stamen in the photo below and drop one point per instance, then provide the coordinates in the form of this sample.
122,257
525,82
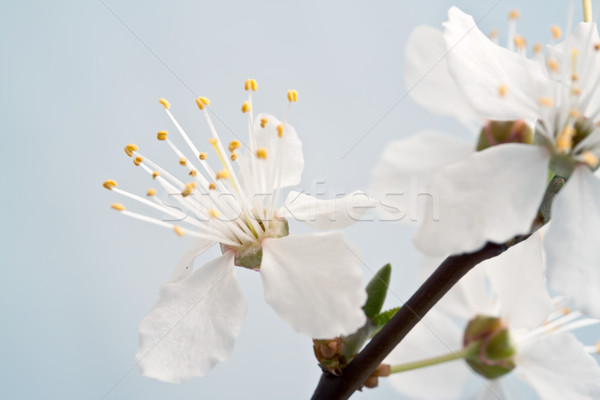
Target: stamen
202,156
162,135
117,206
514,14
502,89
246,107
292,96
493,35
590,159
155,174
545,101
280,130
202,102
263,122
553,65
519,42
165,103
130,148
556,32
574,114
234,156
109,184
137,161
212,186
261,153
178,230
193,173
214,213
537,48
597,47
222,174
183,161
564,142
234,145
250,84
151,192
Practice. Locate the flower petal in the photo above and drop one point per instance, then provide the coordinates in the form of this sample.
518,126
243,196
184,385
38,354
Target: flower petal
493,390
499,84
183,269
326,214
571,245
407,165
193,325
558,367
492,195
314,282
428,78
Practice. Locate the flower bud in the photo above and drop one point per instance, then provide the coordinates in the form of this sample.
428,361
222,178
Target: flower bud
500,132
494,356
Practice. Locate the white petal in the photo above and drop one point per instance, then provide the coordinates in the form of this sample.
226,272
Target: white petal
290,163
407,165
559,367
314,282
326,214
184,266
573,254
193,325
493,390
428,78
469,297
525,302
480,68
490,196
434,336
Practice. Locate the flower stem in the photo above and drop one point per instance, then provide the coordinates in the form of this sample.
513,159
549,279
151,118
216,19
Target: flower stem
470,350
587,10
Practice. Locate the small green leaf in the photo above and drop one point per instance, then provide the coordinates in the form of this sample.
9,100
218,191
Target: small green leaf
377,290
381,319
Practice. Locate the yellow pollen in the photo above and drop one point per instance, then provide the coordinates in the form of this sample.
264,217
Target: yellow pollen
183,161
556,32
246,107
202,156
493,34
117,206
165,103
223,174
193,173
234,145
189,189
162,135
233,156
155,174
263,122
250,84
109,184
150,192
597,47
574,77
280,130
545,101
502,89
514,14
130,148
537,48
574,114
261,153
213,213
590,159
576,91
212,141
564,142
178,230
212,186
202,102
553,65
138,160
292,96
519,42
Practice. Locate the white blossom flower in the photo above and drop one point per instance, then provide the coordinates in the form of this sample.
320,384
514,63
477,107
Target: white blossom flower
543,353
313,281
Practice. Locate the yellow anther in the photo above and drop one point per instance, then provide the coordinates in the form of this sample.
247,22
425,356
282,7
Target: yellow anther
183,161
202,102
222,174
519,42
292,96
598,347
214,213
193,173
280,130
189,189
576,91
537,48
556,32
574,114
178,230
212,186
246,107
212,141
597,47
234,156
564,141
138,160
261,153
117,206
155,174
493,34
590,159
162,135
109,184
202,156
165,103
263,122
234,145
250,84
545,101
553,65
514,14
574,53
566,310
502,89
130,148
150,192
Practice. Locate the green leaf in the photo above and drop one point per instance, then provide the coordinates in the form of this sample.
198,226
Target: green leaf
377,290
381,319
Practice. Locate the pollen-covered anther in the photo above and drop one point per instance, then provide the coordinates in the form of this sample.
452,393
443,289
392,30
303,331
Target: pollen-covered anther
212,141
263,122
183,161
246,107
597,47
598,347
537,48
553,65
564,142
212,186
151,192
292,96
545,101
137,161
189,189
502,89
250,84
117,206
233,156
590,159
576,91
178,230
165,103
130,148
234,145
162,135
155,174
493,34
514,14
556,32
574,114
261,153
574,77
109,184
214,213
520,42
222,174
202,156
193,173
280,129
202,102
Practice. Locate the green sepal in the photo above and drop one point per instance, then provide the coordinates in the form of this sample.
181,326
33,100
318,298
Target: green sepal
377,291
